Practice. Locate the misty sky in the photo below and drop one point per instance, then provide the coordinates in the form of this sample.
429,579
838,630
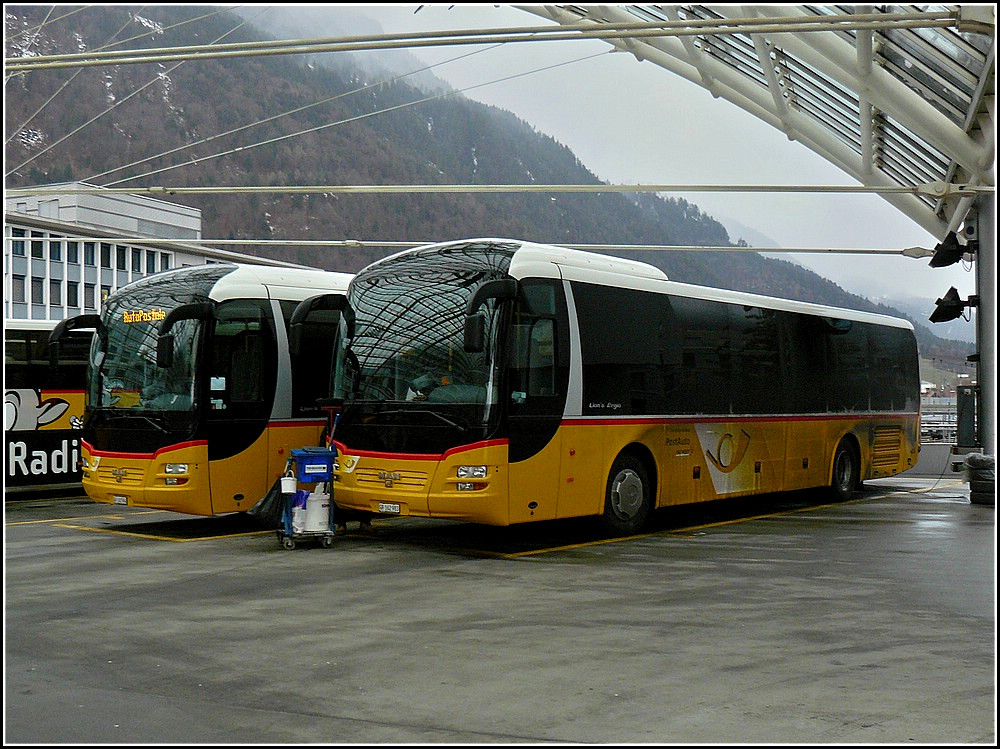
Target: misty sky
632,122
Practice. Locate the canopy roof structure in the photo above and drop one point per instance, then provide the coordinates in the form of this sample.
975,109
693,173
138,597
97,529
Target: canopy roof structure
892,95
896,96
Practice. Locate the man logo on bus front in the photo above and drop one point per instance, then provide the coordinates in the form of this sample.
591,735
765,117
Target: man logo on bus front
388,477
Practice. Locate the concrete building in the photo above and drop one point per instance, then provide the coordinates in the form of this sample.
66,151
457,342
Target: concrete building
67,248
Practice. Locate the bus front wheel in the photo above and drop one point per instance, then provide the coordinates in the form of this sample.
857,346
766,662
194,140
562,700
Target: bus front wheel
846,470
628,498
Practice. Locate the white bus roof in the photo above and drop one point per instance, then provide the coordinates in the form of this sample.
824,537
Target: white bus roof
268,282
576,265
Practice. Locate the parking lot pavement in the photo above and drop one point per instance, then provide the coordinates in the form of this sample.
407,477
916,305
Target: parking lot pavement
781,619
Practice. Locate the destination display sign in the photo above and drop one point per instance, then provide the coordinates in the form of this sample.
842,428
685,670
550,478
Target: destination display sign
131,317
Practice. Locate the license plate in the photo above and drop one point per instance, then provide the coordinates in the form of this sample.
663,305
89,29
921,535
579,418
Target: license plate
392,507
120,500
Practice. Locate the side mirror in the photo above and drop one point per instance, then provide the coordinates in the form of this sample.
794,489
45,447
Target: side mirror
475,323
336,302
165,351
165,342
70,323
475,333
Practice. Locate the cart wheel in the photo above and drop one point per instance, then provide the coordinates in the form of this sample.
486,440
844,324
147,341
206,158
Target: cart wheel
327,542
288,543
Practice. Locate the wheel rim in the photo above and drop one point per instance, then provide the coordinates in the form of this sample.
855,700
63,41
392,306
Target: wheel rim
627,494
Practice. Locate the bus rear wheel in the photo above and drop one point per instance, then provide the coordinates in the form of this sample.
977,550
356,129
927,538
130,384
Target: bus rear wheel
846,470
628,498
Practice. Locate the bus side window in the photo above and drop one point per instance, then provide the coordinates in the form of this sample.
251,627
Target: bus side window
534,358
311,366
542,359
246,367
240,361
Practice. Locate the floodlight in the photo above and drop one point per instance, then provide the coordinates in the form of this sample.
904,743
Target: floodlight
949,307
948,252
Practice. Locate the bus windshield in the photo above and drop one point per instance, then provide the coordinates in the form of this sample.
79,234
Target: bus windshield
124,376
406,364
125,363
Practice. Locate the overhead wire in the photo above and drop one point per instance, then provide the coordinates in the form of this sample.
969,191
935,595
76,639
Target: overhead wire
536,34
33,29
118,103
273,118
34,36
240,149
769,25
68,81
133,16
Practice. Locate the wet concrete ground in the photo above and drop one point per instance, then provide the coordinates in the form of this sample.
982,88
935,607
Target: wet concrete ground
779,620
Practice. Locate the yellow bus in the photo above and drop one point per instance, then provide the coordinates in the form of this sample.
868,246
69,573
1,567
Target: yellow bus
499,382
194,401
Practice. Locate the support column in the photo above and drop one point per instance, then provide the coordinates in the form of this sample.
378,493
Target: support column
981,467
986,324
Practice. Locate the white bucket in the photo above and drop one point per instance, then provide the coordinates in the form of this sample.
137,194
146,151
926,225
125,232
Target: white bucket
317,518
288,485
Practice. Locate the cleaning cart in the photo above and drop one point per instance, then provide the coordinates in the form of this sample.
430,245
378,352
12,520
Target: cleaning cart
308,512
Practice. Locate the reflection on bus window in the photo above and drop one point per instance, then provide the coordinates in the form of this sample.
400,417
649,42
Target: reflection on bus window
130,377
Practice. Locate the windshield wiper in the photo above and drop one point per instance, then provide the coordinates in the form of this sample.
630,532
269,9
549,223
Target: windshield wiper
118,414
407,411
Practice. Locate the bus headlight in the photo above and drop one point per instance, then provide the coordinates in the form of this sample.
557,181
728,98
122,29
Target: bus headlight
472,472
175,468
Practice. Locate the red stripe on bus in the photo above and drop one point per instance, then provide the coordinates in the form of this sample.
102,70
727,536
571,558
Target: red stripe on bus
142,456
587,421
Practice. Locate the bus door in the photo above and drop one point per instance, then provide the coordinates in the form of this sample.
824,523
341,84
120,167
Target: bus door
537,380
242,375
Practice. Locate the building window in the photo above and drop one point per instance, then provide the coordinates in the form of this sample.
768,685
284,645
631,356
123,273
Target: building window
55,292
105,293
17,245
37,290
150,261
105,255
55,249
164,261
37,245
88,296
73,252
48,208
89,250
73,294
17,289
120,253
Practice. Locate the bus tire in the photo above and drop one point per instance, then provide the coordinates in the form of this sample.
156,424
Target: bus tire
628,499
846,472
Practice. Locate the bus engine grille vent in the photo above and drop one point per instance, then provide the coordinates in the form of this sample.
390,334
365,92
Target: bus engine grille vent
124,476
888,445
401,479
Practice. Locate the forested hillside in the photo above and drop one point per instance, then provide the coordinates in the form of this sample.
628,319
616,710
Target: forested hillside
338,125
